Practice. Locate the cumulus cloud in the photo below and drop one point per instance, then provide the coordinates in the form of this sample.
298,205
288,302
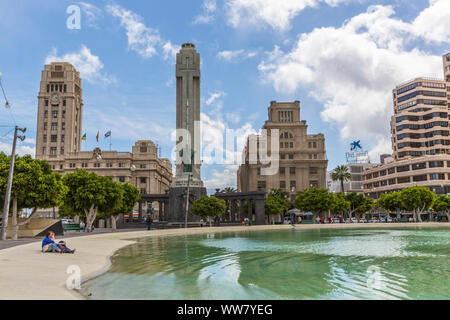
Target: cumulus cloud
141,38
21,148
207,16
352,70
170,51
88,64
273,13
214,96
236,55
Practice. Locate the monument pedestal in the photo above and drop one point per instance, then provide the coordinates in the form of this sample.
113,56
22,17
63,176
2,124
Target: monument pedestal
177,203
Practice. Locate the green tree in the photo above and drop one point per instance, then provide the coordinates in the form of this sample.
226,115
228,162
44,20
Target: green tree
127,195
340,173
442,204
339,203
35,186
276,203
358,203
416,199
207,207
88,194
315,200
390,201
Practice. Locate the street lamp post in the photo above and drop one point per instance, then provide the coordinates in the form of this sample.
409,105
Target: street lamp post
9,185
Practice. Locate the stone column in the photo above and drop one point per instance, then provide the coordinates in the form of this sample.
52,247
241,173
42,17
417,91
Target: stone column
249,212
160,212
259,211
233,210
166,209
241,209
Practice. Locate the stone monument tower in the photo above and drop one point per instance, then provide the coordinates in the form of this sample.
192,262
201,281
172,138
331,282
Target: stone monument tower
187,177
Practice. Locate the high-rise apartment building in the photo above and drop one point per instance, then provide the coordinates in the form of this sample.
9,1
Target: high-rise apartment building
420,138
302,156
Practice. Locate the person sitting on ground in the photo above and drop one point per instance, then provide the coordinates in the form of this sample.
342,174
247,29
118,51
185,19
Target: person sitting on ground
49,244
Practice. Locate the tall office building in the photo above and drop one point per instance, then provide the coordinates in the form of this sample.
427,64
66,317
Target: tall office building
60,107
302,156
420,138
59,132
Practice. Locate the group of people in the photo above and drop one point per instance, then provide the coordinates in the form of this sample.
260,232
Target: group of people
49,244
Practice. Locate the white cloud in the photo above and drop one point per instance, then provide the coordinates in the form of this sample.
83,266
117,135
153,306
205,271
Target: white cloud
85,62
214,96
207,16
236,55
274,13
141,38
170,51
433,23
352,70
21,149
225,177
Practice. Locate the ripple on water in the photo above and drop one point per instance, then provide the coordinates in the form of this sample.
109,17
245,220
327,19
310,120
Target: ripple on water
301,264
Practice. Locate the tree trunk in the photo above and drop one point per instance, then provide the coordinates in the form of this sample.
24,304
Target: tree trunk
342,185
14,225
90,217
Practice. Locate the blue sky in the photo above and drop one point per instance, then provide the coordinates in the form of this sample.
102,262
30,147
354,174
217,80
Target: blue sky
340,58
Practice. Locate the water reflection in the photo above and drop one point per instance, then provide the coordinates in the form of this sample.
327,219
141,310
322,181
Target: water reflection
288,264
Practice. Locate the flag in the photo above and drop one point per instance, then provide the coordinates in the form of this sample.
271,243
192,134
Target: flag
108,134
84,137
98,132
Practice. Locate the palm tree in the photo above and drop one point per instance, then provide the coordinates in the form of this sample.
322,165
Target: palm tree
341,173
228,190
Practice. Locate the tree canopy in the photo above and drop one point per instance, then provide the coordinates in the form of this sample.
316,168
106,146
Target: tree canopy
276,202
316,200
340,173
208,207
416,199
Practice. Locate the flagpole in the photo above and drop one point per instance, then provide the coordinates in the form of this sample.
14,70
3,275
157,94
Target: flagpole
110,142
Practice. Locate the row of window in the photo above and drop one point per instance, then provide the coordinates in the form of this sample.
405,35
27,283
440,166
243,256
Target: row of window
107,165
64,103
55,114
286,135
421,84
54,126
53,138
423,93
418,178
415,153
425,117
292,184
431,134
425,144
286,116
283,156
422,126
422,101
407,167
312,144
286,145
55,87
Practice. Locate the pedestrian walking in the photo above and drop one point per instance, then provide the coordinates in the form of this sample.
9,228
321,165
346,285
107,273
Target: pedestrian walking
149,222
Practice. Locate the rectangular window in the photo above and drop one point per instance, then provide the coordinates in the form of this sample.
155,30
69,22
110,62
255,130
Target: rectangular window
291,145
391,181
143,166
143,180
121,164
121,179
403,168
64,103
109,164
437,176
44,150
45,114
84,165
62,150
54,138
55,114
54,126
53,151
315,156
46,103
64,114
62,138
291,170
96,164
404,180
282,184
419,166
291,156
45,138
436,164
282,171
293,185
391,170
63,126
420,178
282,156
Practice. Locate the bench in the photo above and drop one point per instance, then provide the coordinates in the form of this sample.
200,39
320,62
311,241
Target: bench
71,226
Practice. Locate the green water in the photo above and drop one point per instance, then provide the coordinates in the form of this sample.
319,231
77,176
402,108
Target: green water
286,264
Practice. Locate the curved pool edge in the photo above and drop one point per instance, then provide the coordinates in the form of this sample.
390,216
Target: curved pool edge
20,264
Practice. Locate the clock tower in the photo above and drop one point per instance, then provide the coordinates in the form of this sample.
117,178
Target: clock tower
60,107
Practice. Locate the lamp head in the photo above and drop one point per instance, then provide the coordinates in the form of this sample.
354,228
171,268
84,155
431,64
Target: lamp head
22,138
22,129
